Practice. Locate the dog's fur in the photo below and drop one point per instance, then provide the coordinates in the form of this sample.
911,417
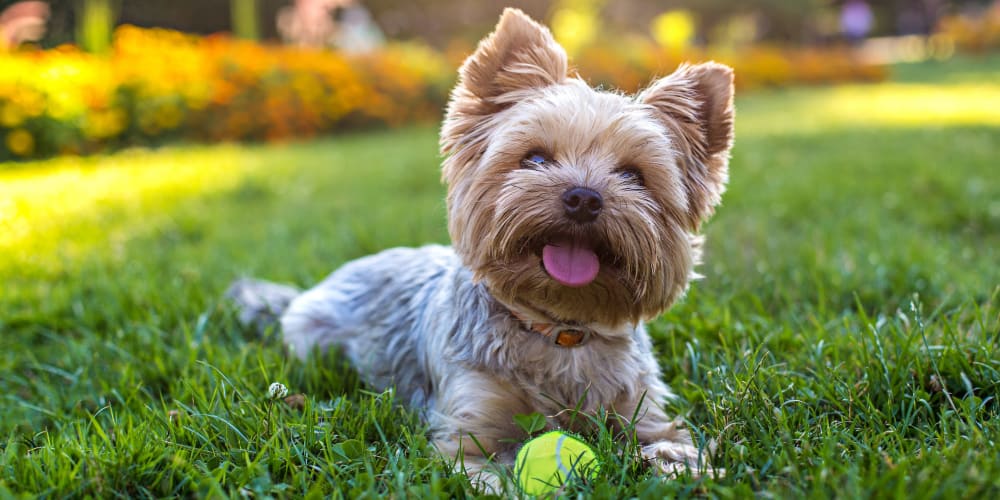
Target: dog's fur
451,328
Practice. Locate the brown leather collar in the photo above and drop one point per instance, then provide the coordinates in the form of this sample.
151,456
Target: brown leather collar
562,334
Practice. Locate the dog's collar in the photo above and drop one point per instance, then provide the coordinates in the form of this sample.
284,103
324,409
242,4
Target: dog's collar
562,334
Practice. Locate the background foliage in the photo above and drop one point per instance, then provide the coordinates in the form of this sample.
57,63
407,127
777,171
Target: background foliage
159,85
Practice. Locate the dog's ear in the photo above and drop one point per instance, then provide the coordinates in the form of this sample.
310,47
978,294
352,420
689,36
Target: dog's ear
520,54
696,104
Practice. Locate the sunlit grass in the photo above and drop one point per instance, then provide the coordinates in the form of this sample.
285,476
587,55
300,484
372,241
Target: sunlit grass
62,216
811,111
41,202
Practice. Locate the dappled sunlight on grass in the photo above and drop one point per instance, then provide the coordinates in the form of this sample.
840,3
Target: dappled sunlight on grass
188,216
62,206
810,111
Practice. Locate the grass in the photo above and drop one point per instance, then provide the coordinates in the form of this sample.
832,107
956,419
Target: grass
843,343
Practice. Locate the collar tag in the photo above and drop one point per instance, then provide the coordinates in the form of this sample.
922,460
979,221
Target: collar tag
563,335
570,337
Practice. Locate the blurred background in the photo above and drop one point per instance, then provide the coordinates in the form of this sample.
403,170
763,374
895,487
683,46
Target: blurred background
82,76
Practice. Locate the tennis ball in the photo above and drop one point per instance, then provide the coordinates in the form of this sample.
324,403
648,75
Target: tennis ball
547,462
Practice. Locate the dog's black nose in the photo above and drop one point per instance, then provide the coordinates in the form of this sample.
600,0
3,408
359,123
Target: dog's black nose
582,204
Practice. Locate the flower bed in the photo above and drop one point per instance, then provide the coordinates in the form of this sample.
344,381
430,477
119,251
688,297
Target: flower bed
159,85
973,33
634,65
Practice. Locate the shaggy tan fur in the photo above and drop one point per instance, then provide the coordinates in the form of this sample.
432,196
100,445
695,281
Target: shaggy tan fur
514,97
611,187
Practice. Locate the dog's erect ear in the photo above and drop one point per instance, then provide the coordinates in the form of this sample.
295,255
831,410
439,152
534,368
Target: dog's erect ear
696,104
520,54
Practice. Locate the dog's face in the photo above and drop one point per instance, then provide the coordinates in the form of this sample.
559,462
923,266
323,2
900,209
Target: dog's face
581,203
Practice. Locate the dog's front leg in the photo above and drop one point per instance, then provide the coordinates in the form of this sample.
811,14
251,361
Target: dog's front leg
666,442
472,421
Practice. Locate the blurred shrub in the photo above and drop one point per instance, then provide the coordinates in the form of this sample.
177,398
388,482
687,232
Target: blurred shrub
636,61
973,33
158,85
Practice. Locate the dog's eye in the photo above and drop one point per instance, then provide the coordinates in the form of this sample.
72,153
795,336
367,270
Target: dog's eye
631,175
534,159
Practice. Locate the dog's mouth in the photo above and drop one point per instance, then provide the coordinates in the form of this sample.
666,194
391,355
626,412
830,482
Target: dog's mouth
573,262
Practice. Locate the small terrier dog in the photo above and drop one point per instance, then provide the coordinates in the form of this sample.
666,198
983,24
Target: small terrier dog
574,215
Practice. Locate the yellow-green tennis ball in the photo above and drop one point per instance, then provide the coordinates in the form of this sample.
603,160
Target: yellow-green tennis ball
547,462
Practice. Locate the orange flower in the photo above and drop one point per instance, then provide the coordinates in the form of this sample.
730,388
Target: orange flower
216,88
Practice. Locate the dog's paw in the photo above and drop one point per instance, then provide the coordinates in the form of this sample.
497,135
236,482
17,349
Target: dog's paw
672,459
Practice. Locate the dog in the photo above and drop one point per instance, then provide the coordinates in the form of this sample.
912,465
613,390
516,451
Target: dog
574,216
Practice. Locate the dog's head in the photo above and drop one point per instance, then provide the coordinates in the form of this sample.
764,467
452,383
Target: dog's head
577,202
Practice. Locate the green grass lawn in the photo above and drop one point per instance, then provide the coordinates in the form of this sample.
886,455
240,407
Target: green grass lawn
844,340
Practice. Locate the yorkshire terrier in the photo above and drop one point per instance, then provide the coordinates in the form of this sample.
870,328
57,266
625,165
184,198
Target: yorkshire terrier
574,216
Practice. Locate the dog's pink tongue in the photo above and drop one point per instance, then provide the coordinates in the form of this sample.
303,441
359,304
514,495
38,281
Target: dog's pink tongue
570,264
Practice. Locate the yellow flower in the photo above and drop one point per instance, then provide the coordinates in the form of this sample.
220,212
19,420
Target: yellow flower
31,102
674,29
20,142
10,116
575,25
103,124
